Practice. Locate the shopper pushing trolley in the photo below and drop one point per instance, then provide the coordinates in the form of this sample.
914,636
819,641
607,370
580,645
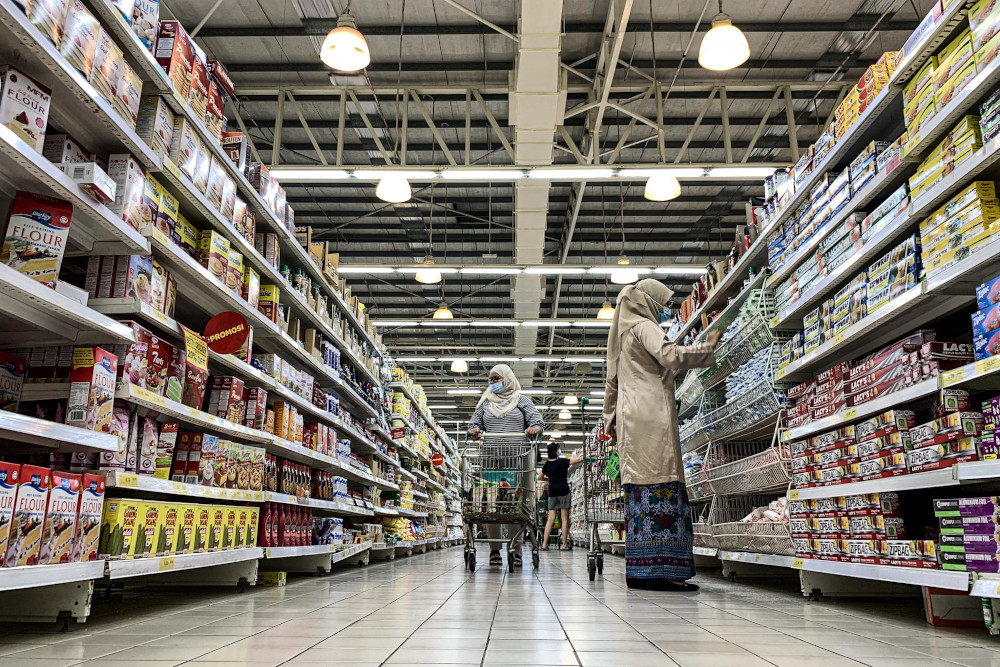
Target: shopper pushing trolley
640,411
498,470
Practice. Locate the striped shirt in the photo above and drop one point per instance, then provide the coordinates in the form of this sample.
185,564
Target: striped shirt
515,421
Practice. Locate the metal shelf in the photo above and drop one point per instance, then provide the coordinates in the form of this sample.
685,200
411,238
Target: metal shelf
972,472
139,567
37,308
34,576
423,414
955,581
332,506
130,481
15,427
925,48
755,558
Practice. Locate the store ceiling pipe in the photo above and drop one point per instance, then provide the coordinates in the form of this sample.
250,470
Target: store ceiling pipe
537,105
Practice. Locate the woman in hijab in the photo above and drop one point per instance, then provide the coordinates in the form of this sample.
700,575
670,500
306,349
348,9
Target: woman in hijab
641,412
504,409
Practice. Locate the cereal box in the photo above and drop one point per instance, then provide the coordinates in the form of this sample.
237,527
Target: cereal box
130,180
92,389
24,106
80,37
89,513
155,124
25,539
146,528
12,372
35,236
59,534
9,476
119,527
213,253
187,518
167,530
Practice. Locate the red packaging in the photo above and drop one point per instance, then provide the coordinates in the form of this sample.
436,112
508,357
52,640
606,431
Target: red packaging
134,364
27,525
884,374
883,466
828,410
215,113
947,351
89,512
178,471
197,96
891,354
92,389
9,480
59,534
175,376
835,395
836,373
174,54
801,389
256,408
221,77
798,420
875,391
158,367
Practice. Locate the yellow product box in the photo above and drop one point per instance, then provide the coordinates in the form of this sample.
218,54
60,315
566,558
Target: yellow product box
952,257
977,190
147,527
272,579
119,527
217,530
972,236
234,272
213,253
253,519
167,529
204,515
988,53
955,83
186,235
963,130
913,112
920,182
984,22
166,211
980,210
282,419
920,87
229,529
268,301
923,118
959,43
187,529
241,528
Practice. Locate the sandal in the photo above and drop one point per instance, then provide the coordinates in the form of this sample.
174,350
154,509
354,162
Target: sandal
545,549
496,558
517,560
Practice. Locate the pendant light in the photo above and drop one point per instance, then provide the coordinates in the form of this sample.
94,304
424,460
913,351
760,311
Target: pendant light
565,415
345,48
662,187
724,47
443,312
607,312
460,366
570,399
624,276
393,189
429,275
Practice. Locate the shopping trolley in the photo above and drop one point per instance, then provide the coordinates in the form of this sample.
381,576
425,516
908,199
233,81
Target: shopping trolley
498,487
603,502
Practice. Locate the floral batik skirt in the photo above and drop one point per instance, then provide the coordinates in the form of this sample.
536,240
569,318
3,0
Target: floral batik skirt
658,534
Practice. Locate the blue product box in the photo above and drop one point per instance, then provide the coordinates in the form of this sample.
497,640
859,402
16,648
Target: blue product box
986,320
986,345
988,293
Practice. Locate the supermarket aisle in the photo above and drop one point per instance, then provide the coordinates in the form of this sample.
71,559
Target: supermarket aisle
428,610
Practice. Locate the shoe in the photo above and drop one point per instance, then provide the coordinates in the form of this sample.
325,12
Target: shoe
496,558
667,586
636,584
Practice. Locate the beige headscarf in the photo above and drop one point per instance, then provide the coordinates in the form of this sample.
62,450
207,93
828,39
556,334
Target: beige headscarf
636,303
502,403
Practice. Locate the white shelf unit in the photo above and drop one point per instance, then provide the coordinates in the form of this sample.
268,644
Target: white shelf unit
35,576
141,567
15,427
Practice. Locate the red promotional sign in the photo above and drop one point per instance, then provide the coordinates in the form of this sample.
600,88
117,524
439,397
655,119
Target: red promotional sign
227,332
437,459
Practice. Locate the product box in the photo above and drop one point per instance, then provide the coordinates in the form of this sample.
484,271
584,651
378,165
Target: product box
155,124
89,516
908,553
121,527
126,101
129,179
12,373
167,530
969,562
92,389
60,148
215,114
175,55
59,534
9,481
213,253
197,96
975,506
27,525
187,516
235,145
217,528
35,236
24,106
109,64
185,149
234,272
981,544
944,455
146,530
948,427
92,179
269,302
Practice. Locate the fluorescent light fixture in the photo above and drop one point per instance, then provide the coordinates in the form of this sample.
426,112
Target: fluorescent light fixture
611,270
484,175
546,323
499,360
310,174
416,359
496,323
680,271
440,322
652,172
541,359
442,406
588,360
365,269
536,392
395,323
741,172
596,324
594,408
491,270
465,392
554,270
557,174
418,269
379,174
597,392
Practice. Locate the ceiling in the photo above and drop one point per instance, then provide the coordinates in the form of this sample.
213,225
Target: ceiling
443,78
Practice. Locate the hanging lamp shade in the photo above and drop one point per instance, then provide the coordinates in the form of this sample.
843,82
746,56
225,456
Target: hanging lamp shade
724,46
443,313
570,399
428,275
565,415
393,189
345,48
607,312
662,187
624,276
460,366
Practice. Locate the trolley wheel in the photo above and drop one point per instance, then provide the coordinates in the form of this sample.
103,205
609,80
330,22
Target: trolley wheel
510,563
472,562
592,568
534,560
600,564
466,556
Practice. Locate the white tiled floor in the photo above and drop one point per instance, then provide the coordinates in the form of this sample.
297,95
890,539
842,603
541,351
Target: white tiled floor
428,609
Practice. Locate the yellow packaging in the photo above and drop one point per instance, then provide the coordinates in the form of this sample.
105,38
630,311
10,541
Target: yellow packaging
282,414
955,83
217,529
251,287
187,529
213,253
203,536
268,302
988,53
147,527
977,190
120,527
972,237
273,579
951,257
980,210
241,528
921,83
921,98
167,530
186,234
234,272
959,42
253,517
167,208
918,185
229,531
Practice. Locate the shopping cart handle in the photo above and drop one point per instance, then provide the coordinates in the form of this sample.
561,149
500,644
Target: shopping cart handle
515,434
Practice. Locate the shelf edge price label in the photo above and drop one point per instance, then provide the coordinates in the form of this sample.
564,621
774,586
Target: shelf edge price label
167,564
850,413
129,480
793,495
798,563
179,487
837,339
955,376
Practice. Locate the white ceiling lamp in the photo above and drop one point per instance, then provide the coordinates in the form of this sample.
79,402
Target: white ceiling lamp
443,312
460,366
570,399
624,276
345,48
428,275
662,187
565,415
724,47
607,312
393,189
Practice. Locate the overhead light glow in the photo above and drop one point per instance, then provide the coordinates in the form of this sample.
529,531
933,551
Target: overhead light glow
607,312
499,360
588,360
545,323
724,47
662,187
570,174
442,406
647,173
345,48
302,175
490,270
415,359
396,323
536,392
554,270
365,269
597,392
595,324
484,175
741,172
570,399
442,313
495,323
393,189
625,276
680,271
443,322
541,359
460,366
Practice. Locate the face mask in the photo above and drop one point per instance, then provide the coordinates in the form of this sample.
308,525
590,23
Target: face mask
496,387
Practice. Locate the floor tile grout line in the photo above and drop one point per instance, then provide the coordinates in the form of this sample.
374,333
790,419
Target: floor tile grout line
562,627
496,608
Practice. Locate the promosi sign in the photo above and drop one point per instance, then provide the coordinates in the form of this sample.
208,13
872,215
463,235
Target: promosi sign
227,332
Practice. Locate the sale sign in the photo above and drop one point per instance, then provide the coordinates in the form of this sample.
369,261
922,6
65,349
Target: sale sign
227,332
